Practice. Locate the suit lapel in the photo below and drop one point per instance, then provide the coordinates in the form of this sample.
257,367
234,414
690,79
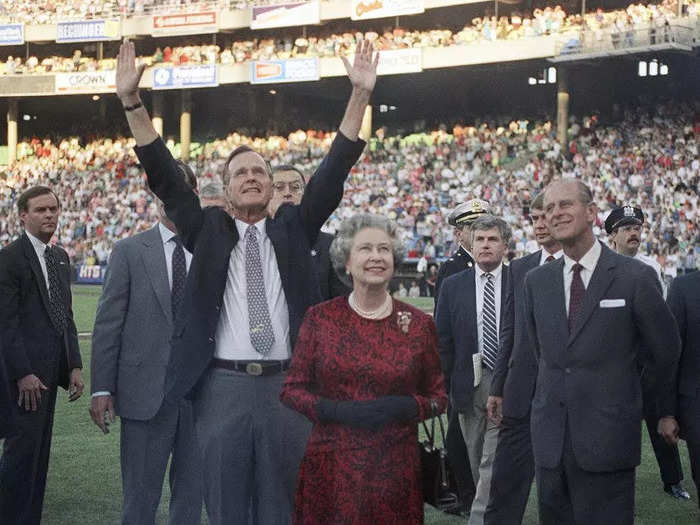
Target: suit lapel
600,281
555,299
153,257
31,256
467,297
275,231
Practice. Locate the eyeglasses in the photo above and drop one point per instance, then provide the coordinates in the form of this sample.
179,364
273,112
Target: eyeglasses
294,187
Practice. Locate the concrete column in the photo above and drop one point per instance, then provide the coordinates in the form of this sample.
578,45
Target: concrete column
366,127
562,106
12,117
185,125
157,119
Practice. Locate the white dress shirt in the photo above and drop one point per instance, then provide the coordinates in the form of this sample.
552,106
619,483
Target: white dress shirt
169,248
40,249
588,261
233,333
657,268
480,279
544,254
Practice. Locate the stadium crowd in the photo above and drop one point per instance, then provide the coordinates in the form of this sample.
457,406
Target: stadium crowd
320,43
650,157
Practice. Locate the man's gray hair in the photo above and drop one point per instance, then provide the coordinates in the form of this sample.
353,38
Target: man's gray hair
344,238
487,222
212,190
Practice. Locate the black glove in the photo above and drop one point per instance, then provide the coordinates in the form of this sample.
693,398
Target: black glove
367,414
398,408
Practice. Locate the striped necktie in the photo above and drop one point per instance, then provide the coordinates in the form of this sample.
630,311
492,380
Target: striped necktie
488,322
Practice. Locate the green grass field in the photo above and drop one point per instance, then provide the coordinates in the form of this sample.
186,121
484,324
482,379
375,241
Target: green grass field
84,485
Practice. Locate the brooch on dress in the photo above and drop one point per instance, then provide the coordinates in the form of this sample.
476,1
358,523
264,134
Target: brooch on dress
404,320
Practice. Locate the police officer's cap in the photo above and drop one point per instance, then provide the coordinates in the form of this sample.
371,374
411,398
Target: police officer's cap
468,212
622,216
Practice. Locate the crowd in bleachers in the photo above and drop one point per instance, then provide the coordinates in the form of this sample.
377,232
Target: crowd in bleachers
317,43
651,157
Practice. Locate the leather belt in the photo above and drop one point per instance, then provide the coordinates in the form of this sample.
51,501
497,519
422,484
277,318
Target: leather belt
252,368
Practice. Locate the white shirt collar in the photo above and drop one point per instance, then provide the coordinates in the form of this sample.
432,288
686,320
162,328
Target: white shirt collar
242,227
166,234
588,261
557,255
496,272
39,246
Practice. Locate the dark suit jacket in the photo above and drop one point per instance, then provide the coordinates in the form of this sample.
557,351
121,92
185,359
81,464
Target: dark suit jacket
210,234
457,333
516,369
331,285
684,301
459,262
590,377
6,408
30,344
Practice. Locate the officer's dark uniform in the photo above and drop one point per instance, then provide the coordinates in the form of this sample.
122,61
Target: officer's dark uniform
667,456
462,215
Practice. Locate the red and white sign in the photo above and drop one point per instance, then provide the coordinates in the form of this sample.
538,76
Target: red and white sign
185,23
364,9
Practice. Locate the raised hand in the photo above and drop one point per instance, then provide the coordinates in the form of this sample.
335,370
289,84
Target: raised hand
363,71
128,74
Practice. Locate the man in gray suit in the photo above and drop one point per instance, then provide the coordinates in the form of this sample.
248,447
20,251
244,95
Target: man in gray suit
586,315
141,298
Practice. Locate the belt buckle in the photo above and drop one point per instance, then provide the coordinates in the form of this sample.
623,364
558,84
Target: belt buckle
254,369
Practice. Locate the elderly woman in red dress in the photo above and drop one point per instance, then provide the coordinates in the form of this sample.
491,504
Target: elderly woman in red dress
365,370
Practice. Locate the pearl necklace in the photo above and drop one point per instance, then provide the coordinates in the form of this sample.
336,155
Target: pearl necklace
380,313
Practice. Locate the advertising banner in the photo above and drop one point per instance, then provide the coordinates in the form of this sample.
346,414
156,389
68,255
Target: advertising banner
397,61
91,274
364,9
185,24
185,77
88,31
86,82
284,15
11,34
293,70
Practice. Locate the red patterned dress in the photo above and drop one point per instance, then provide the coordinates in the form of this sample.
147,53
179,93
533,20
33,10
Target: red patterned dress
351,475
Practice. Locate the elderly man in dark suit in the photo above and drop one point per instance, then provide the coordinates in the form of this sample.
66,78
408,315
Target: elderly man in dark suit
40,348
250,284
141,298
469,316
288,185
587,315
513,385
684,301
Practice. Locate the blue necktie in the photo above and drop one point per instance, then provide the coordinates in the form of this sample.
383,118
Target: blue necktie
179,266
57,311
259,322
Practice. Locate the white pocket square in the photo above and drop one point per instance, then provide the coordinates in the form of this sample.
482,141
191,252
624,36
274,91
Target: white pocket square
612,303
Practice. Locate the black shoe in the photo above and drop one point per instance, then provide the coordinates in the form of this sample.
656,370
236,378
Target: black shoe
677,491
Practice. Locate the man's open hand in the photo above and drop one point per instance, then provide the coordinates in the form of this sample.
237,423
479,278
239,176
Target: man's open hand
363,71
102,412
128,74
30,387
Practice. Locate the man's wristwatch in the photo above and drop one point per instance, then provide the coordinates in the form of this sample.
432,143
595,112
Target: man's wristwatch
138,105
